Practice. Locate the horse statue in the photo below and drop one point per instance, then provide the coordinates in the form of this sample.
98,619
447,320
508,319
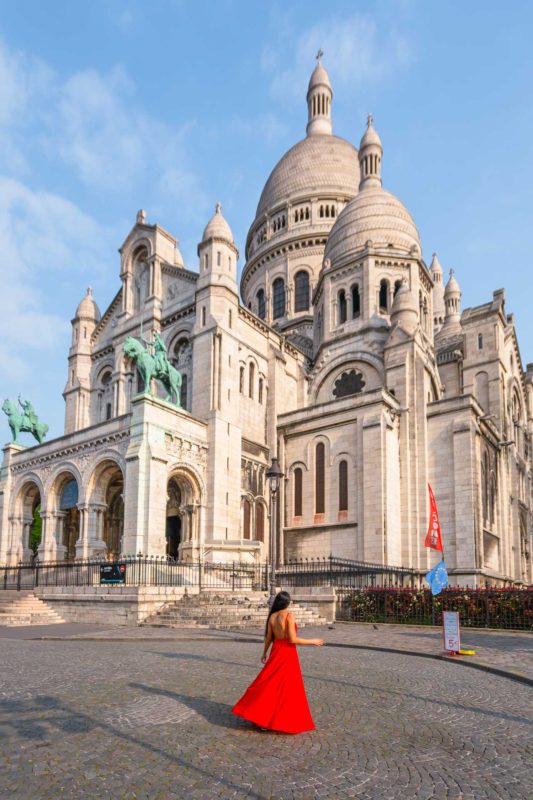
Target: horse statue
25,420
155,366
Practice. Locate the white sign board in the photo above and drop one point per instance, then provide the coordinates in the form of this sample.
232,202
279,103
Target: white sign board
451,633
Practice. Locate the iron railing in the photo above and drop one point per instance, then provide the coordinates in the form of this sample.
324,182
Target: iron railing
139,571
344,573
488,607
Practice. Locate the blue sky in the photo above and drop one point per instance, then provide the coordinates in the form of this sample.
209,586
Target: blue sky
110,106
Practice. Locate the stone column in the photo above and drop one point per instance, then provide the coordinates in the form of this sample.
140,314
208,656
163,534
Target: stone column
82,545
52,547
16,533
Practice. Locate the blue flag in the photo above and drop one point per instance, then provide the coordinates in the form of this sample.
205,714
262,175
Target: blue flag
437,577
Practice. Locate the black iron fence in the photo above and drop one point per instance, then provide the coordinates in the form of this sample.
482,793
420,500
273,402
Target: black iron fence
138,571
344,573
365,592
478,608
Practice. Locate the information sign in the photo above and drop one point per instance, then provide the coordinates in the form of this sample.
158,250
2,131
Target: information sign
451,632
112,573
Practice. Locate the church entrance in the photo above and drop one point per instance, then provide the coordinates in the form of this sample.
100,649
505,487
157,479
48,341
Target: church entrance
68,502
173,524
173,534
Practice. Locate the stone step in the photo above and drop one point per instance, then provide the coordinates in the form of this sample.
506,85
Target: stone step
17,608
213,610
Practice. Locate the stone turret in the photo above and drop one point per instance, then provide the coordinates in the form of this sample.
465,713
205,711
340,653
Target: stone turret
77,390
319,96
438,293
370,153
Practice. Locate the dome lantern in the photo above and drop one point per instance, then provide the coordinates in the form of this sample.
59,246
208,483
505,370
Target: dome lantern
319,96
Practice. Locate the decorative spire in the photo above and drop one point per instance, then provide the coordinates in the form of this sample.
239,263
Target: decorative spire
141,216
370,153
319,96
218,207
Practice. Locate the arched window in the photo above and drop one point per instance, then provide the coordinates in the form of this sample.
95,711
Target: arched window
206,261
260,392
342,306
259,522
343,486
241,380
298,492
301,291
261,306
246,519
319,478
356,301
397,285
251,379
384,295
278,291
321,214
480,341
108,411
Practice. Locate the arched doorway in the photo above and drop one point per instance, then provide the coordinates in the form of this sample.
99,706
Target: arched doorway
173,519
70,516
182,515
106,508
27,535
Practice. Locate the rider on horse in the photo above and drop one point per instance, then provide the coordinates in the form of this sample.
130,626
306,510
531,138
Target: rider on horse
29,411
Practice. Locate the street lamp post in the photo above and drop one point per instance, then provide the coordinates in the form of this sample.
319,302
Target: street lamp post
274,475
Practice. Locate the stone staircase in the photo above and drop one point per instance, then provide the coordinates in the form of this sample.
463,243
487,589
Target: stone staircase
224,611
24,608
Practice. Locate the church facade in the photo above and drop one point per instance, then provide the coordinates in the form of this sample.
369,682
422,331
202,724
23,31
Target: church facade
341,352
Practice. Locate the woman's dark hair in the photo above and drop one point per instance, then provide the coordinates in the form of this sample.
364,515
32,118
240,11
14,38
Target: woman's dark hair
282,600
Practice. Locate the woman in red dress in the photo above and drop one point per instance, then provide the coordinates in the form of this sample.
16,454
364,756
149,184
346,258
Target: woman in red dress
276,700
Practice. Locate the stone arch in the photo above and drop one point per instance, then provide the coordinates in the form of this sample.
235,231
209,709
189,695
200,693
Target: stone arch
105,505
374,377
181,354
64,501
185,491
25,517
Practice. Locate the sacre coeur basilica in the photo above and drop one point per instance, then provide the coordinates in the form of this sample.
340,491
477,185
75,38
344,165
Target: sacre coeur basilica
341,353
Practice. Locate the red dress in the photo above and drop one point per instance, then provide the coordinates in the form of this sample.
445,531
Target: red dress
277,699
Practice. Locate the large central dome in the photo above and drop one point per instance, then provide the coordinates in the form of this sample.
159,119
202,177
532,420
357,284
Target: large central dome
320,164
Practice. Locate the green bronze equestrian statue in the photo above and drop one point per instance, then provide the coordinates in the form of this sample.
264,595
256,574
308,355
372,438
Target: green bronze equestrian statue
27,420
154,365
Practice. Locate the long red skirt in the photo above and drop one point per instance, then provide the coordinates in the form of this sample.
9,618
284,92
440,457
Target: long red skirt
277,699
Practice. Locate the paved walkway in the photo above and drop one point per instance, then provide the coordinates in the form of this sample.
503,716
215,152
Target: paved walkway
508,651
146,719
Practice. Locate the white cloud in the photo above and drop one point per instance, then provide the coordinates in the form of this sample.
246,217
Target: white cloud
44,237
356,50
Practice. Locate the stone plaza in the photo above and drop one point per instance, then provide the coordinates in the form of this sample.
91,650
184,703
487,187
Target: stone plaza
148,718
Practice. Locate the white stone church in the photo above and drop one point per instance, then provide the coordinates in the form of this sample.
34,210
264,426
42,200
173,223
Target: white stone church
341,352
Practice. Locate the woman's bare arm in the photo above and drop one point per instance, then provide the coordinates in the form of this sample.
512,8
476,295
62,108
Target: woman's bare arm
294,639
267,643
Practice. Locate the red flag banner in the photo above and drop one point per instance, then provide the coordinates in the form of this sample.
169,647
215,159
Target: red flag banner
433,538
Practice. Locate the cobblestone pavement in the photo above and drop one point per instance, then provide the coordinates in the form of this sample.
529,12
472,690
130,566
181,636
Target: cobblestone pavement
150,720
511,651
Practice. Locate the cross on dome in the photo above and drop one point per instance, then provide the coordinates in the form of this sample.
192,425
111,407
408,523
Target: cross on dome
319,54
218,208
369,120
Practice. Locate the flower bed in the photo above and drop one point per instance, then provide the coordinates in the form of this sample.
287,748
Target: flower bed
478,608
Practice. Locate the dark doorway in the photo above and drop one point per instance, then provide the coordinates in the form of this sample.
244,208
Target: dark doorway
173,535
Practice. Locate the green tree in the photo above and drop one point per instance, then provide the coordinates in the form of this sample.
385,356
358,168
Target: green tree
36,529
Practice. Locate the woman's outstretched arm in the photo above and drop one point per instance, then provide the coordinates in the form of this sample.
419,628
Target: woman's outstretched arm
294,639
268,642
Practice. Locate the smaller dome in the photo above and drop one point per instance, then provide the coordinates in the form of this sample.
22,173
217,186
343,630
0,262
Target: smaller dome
217,227
452,287
88,309
376,215
319,77
404,308
436,267
370,136
178,258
